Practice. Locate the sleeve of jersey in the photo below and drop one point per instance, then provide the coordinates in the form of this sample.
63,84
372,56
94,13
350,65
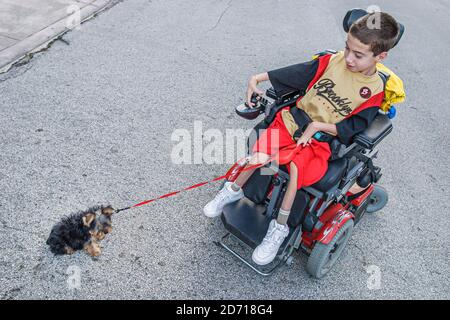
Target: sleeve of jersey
295,77
360,119
351,126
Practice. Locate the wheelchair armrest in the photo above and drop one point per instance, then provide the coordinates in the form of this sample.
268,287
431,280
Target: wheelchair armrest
377,131
271,93
368,139
287,99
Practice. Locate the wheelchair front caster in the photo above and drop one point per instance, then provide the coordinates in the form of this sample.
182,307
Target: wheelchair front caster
290,261
324,256
377,199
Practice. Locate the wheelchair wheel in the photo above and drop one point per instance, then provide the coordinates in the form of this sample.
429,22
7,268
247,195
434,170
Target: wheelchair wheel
324,256
377,199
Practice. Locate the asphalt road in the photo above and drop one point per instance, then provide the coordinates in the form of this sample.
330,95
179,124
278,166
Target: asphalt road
90,121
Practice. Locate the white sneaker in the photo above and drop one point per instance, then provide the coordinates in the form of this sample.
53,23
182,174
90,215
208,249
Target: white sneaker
268,249
225,196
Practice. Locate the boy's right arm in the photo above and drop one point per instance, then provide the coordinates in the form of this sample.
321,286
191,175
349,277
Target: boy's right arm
283,80
252,85
288,79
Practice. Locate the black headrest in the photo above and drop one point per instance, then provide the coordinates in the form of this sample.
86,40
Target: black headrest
354,14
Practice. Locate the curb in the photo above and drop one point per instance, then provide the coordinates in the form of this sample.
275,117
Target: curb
41,39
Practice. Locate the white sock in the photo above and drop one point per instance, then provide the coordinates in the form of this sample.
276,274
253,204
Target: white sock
283,216
234,187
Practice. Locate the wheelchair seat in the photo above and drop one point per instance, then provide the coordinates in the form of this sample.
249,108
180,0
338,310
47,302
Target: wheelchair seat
335,171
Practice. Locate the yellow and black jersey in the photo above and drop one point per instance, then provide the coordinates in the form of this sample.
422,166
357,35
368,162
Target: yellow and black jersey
334,94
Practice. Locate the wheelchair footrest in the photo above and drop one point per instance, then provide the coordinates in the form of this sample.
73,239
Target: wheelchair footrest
262,270
249,223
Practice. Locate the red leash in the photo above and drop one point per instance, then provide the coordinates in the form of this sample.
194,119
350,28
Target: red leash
282,160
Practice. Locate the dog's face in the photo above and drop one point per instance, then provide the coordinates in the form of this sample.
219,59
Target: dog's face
108,211
105,219
98,235
90,222
103,223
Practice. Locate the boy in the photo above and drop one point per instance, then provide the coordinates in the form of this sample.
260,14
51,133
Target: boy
343,95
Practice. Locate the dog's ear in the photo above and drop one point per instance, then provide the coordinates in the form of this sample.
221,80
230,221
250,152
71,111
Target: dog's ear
87,219
108,211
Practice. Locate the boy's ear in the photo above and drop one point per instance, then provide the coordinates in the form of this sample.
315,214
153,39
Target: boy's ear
381,56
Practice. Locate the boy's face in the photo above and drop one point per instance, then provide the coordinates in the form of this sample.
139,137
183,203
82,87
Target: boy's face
359,57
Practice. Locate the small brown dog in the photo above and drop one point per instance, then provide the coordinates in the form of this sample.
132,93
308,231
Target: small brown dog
81,230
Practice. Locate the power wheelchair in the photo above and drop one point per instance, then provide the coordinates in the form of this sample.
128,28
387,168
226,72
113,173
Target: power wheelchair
324,214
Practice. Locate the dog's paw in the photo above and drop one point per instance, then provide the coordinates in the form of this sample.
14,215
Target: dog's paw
93,249
69,250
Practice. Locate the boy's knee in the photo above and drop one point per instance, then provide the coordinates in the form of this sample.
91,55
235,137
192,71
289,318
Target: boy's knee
259,158
293,169
293,176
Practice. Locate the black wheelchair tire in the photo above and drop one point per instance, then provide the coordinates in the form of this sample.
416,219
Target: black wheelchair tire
323,258
377,199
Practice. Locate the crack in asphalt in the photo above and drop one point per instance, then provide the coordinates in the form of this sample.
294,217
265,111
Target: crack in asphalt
221,15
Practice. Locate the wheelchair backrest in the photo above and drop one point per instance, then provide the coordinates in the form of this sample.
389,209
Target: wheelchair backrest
356,13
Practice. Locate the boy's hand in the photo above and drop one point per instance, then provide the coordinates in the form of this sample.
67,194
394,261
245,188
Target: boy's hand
251,88
306,137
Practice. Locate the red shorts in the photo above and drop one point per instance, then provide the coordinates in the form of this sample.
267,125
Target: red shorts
311,161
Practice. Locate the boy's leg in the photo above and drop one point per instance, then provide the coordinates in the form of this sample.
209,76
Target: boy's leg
289,196
356,188
278,229
269,142
232,192
257,158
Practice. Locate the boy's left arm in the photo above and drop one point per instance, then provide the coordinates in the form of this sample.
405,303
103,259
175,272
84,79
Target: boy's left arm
345,130
314,127
357,123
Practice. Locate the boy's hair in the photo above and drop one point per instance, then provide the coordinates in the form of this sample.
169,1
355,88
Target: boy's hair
377,29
